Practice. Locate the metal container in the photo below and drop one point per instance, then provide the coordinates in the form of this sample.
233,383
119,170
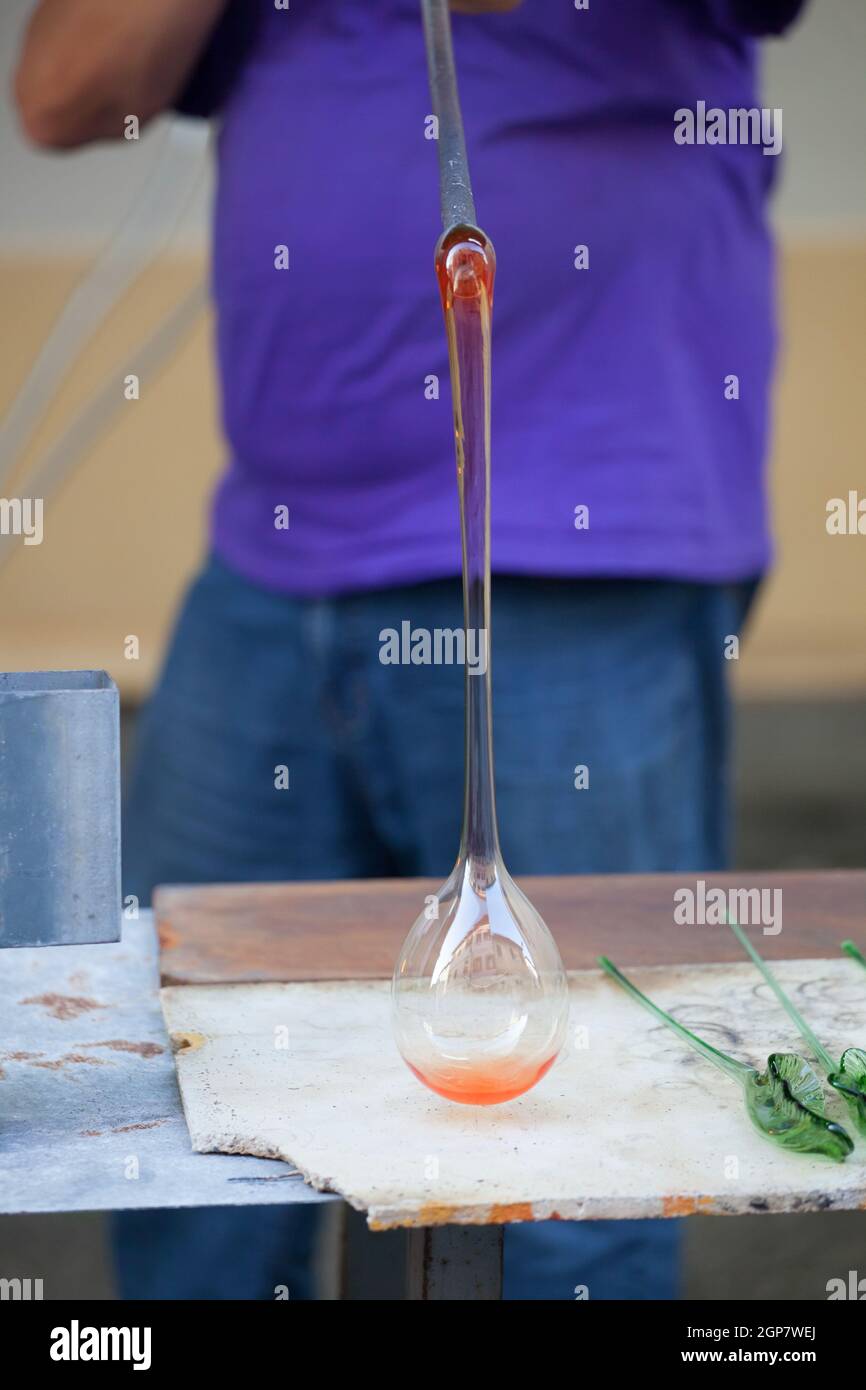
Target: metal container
59,808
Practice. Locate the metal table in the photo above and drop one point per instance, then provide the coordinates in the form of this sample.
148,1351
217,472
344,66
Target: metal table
90,1113
91,1118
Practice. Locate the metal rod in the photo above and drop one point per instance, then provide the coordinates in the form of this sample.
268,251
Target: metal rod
454,1264
455,189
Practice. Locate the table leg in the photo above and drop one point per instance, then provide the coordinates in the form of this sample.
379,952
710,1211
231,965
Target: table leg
455,1263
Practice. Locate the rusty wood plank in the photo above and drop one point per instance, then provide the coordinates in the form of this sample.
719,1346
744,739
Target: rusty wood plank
352,930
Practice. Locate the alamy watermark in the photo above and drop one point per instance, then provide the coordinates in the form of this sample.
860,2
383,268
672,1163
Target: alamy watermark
20,1290
714,907
851,1288
846,516
77,1343
22,516
736,125
439,646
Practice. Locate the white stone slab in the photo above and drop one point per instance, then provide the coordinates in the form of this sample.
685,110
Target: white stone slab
630,1123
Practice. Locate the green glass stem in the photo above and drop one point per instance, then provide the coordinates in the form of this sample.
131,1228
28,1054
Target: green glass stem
854,952
785,1102
729,1065
787,1004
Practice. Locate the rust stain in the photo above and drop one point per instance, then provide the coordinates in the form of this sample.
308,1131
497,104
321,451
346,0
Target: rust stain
143,1124
142,1049
64,1006
434,1214
187,1042
71,1058
438,1214
686,1206
21,1056
90,1133
167,936
502,1213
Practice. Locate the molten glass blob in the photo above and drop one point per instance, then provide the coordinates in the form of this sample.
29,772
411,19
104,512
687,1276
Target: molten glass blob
480,998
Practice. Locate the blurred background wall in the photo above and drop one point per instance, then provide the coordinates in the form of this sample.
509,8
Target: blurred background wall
128,528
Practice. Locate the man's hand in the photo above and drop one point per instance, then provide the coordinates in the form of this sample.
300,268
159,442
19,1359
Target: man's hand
87,64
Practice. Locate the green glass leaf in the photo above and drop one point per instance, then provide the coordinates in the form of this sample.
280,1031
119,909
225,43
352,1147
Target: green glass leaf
786,1103
854,952
849,1079
793,1071
850,1082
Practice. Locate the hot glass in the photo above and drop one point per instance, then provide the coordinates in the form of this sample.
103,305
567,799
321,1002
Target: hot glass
480,997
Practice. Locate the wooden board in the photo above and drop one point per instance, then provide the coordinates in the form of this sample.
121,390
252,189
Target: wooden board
353,930
630,1122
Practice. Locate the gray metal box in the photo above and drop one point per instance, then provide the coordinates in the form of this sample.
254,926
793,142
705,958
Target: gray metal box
59,808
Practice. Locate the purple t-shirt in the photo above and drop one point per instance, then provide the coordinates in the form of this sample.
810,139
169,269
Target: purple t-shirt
611,384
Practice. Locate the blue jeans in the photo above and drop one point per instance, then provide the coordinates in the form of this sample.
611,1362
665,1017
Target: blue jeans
626,677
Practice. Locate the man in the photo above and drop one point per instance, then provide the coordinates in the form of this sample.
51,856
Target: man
633,346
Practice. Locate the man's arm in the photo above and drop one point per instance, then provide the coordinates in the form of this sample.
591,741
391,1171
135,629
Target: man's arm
87,64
